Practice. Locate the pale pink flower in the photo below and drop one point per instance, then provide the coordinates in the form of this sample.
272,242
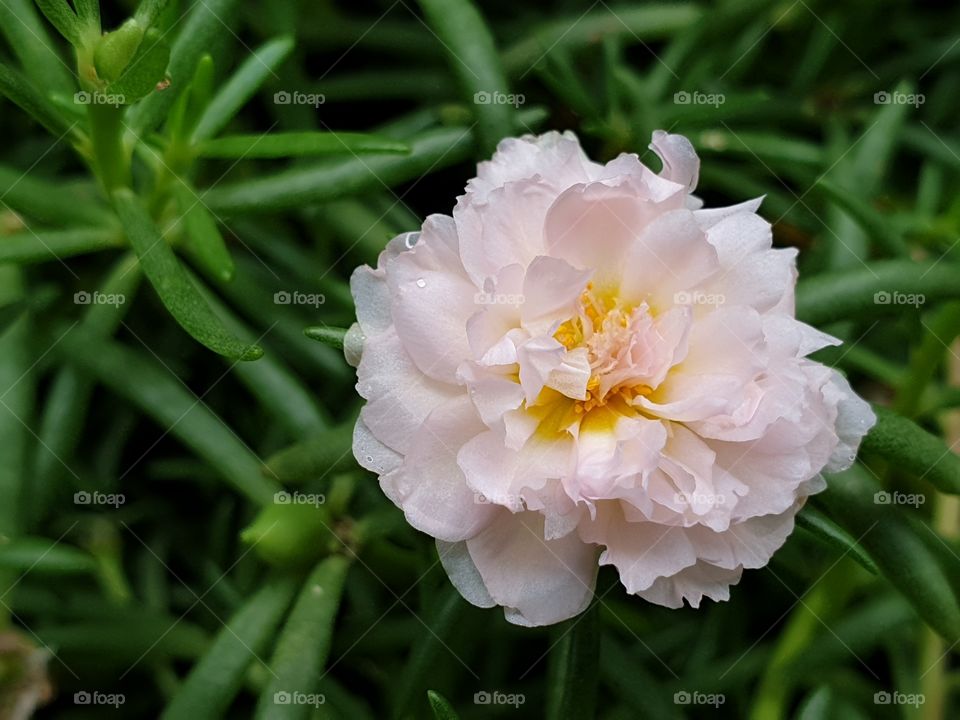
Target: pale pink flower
581,367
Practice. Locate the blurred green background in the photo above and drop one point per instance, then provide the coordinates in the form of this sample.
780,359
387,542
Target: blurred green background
257,154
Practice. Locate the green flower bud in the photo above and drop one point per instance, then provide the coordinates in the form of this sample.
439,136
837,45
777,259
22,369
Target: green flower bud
116,49
293,531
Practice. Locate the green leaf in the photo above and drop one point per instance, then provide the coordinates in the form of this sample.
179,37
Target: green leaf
317,456
910,448
575,662
304,643
123,635
207,22
189,107
59,202
62,17
148,11
781,150
296,144
475,62
29,246
873,223
870,290
18,382
442,709
302,185
242,85
898,552
147,68
214,681
161,395
639,23
252,291
40,555
32,102
832,534
204,242
67,402
172,284
31,43
330,336
11,312
281,393
430,647
89,13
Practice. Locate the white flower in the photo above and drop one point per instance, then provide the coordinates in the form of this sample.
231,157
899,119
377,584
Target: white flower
583,366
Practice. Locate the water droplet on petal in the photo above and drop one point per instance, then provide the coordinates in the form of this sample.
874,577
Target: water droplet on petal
421,283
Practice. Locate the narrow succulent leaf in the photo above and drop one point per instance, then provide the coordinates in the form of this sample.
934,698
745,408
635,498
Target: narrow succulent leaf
474,60
161,395
909,448
44,556
204,243
893,544
200,33
36,246
825,529
304,643
172,284
575,666
27,35
213,683
62,17
242,86
19,90
441,707
298,144
317,456
870,289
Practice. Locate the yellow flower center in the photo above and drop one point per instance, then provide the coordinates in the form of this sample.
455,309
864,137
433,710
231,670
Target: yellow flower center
601,325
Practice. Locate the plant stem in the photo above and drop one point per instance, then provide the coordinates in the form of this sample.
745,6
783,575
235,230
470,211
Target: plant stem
110,157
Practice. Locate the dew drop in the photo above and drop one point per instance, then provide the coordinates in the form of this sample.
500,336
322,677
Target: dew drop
421,283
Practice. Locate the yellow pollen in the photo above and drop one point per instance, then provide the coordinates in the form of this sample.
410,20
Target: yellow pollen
598,309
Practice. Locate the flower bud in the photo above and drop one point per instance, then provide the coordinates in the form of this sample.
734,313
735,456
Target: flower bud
293,531
116,49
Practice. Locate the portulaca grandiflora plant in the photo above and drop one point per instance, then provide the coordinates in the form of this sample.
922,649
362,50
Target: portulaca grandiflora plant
637,378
